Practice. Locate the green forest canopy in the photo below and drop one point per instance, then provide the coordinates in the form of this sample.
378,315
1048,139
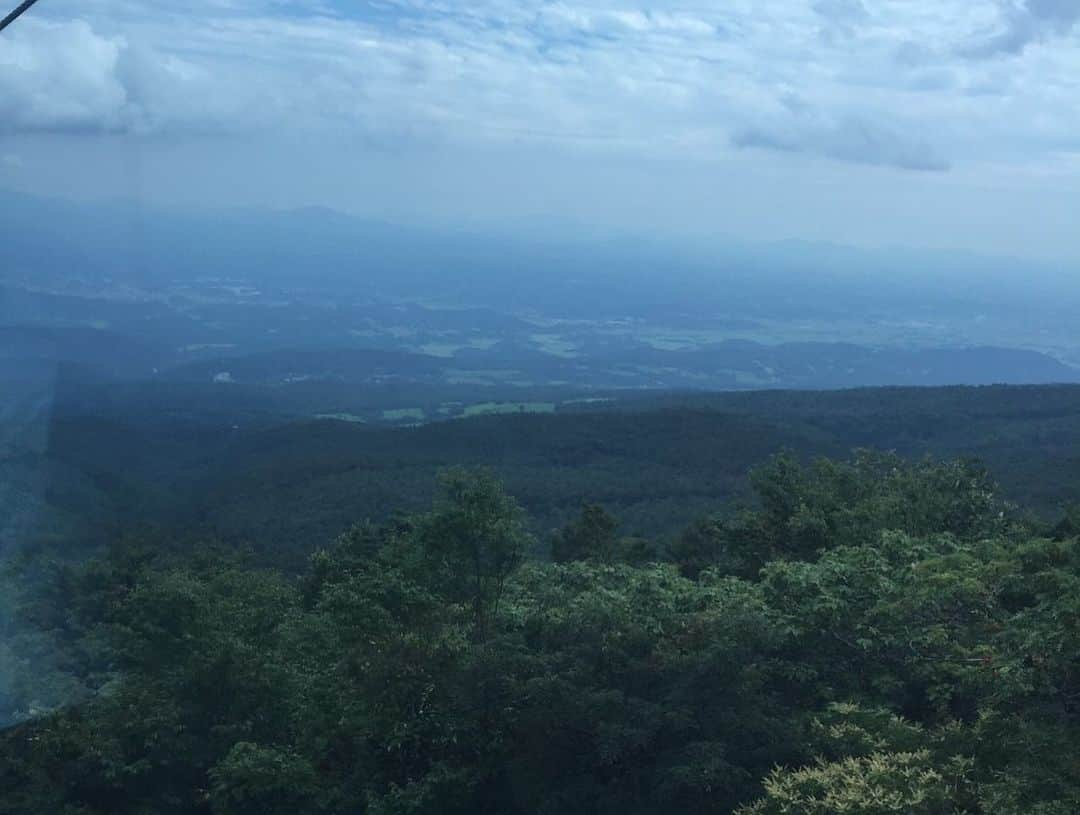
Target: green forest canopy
871,637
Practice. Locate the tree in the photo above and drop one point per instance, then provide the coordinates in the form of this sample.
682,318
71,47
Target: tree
473,540
591,536
257,780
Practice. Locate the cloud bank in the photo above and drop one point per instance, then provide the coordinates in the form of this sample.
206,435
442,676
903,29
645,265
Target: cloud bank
1024,24
673,79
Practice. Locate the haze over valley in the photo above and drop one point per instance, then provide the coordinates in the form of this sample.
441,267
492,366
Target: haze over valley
289,299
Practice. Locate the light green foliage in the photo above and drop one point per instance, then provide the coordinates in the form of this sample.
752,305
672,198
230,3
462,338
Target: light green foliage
847,729
879,784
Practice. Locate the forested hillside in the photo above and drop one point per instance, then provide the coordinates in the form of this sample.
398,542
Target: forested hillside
870,637
281,485
654,603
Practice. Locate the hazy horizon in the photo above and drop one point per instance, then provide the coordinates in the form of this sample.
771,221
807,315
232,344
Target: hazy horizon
939,126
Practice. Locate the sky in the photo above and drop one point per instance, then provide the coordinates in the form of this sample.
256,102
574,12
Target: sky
924,123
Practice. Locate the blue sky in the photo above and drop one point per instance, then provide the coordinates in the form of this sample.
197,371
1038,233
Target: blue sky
944,123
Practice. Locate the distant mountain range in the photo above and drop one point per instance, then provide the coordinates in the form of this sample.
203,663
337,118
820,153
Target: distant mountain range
278,298
319,249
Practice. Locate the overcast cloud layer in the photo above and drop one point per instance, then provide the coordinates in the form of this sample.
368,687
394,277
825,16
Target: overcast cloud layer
872,103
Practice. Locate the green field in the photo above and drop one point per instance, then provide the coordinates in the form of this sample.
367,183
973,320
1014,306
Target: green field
493,408
401,414
341,417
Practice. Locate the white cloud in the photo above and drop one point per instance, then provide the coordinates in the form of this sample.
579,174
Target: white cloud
853,139
65,77
670,78
60,76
